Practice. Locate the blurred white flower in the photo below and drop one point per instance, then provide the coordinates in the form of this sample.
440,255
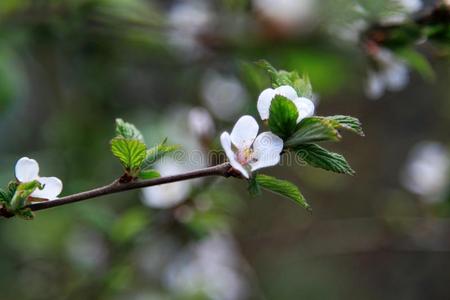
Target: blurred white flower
407,8
171,194
248,152
211,268
224,96
200,122
426,172
350,32
27,170
188,19
392,74
288,13
304,105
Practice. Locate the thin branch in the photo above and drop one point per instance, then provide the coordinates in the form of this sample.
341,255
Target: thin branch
117,186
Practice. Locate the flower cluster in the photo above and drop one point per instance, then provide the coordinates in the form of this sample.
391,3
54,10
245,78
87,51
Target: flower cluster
246,150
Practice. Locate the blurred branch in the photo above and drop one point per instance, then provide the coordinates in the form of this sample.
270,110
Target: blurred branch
119,185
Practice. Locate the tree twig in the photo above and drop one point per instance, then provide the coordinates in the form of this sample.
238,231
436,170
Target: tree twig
117,186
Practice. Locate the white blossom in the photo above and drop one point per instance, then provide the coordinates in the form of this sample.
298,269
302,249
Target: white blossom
426,172
392,74
224,95
171,194
200,122
211,268
27,170
248,152
187,20
289,13
304,105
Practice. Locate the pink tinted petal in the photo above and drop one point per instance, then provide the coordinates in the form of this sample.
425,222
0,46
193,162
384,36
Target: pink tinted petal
225,140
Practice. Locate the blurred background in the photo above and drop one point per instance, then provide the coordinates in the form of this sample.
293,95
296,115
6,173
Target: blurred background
185,70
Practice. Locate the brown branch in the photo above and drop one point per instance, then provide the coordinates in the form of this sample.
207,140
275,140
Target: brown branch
117,186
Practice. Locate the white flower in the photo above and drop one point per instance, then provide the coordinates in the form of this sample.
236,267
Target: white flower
304,105
27,170
288,13
209,267
200,122
392,75
248,152
427,171
171,194
224,95
187,20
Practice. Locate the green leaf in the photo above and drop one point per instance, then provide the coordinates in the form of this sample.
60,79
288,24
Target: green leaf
283,117
149,174
314,129
417,61
319,157
21,194
282,187
253,187
128,131
25,213
4,196
301,85
131,153
157,152
348,123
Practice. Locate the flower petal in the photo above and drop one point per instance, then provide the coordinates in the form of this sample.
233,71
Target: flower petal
286,91
244,132
27,169
266,151
305,108
264,101
225,140
52,188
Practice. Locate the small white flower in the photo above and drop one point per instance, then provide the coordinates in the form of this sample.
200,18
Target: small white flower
392,75
27,170
427,171
171,194
304,105
248,152
200,122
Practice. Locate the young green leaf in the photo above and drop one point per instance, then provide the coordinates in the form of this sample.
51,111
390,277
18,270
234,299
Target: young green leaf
348,123
149,174
283,117
157,152
4,196
128,131
314,129
280,77
131,153
282,187
319,157
417,61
